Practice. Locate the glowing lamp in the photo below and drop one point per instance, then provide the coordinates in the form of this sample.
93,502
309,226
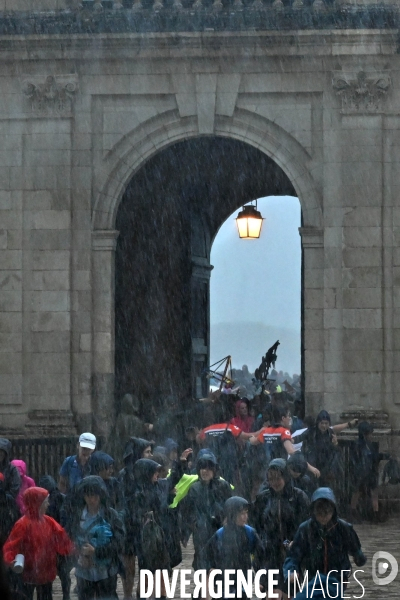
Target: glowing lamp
249,222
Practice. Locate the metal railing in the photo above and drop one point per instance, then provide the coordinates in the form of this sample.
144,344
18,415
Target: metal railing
44,456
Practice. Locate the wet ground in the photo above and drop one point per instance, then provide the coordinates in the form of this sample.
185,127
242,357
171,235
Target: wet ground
383,537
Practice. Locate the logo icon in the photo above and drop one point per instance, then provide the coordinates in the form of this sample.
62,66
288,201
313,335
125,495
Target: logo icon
381,561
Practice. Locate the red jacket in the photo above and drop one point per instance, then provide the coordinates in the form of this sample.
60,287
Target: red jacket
39,539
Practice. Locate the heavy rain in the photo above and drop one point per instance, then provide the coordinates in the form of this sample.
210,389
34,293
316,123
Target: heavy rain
199,299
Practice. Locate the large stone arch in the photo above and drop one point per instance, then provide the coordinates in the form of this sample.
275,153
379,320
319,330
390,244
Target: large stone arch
118,167
133,150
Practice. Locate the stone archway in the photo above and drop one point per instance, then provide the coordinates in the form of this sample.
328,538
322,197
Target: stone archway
258,133
132,152
167,219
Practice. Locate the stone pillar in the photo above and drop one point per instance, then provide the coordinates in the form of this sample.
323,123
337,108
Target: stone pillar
201,271
313,318
103,330
45,199
363,239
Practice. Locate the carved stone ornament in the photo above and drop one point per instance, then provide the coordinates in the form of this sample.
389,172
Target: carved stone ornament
53,97
361,92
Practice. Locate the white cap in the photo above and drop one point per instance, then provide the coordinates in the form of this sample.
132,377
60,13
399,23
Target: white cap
87,440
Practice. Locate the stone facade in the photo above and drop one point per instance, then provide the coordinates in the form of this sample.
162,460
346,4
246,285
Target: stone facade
81,111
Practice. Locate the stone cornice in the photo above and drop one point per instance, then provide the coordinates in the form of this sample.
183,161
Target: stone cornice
238,17
191,44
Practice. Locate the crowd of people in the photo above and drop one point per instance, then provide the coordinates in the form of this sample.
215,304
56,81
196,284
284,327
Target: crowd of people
261,491
249,386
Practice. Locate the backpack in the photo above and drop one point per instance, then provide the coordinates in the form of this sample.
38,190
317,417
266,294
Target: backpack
154,551
391,471
250,534
98,534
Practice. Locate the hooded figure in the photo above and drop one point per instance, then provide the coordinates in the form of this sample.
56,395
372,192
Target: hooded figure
242,419
39,538
324,542
146,505
204,456
135,448
173,484
276,514
365,457
12,480
321,450
103,531
102,464
235,545
128,424
297,466
143,471
364,465
9,512
26,482
56,500
171,447
203,508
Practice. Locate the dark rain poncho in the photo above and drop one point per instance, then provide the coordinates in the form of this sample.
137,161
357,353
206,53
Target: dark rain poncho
365,458
277,516
56,498
324,548
9,514
133,451
298,464
100,461
203,508
147,497
320,451
171,517
12,480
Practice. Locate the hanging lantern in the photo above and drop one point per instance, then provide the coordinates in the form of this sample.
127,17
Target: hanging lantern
249,222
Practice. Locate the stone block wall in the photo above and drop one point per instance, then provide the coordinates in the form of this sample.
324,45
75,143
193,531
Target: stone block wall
80,115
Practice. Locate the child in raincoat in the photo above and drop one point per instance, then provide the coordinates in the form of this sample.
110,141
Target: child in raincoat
145,516
26,483
39,539
203,507
324,542
235,546
98,533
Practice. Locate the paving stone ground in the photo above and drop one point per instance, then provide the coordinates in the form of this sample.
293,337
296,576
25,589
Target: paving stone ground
382,537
